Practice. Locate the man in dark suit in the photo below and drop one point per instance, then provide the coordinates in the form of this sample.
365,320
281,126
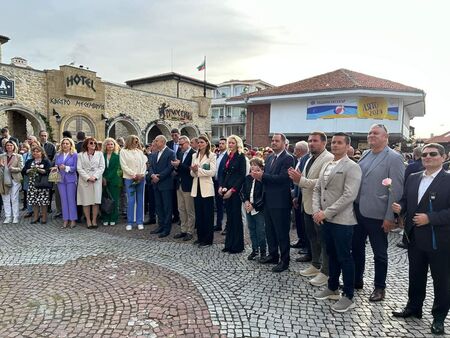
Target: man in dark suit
426,204
81,136
5,135
278,202
160,171
50,150
174,145
182,166
222,157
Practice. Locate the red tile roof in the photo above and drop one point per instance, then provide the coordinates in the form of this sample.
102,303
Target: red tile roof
444,138
341,79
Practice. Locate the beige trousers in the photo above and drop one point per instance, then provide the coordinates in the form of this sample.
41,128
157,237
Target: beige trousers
187,211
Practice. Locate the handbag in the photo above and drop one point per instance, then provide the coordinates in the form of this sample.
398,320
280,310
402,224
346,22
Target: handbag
54,176
41,182
107,205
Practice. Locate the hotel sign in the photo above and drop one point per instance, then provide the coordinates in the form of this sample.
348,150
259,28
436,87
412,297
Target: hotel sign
6,88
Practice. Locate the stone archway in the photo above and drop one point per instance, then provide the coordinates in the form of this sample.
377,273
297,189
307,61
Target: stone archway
190,131
157,128
18,116
122,127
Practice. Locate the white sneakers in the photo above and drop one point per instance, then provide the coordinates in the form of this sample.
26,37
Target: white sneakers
343,303
311,271
141,226
112,223
105,223
7,220
320,279
15,220
129,227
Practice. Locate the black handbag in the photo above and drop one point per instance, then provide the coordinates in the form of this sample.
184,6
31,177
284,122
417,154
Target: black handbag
41,182
107,205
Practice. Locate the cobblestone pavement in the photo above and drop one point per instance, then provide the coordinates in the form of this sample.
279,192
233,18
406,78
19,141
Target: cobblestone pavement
114,283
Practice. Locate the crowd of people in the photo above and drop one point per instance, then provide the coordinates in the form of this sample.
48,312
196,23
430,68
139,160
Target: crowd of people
336,198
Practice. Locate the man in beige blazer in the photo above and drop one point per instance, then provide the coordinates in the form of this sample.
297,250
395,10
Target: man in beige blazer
317,142
333,197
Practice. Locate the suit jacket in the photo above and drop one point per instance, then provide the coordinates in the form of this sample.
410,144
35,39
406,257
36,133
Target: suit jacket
15,166
336,195
375,200
308,182
234,175
203,176
164,168
169,145
276,181
221,167
183,171
438,194
112,170
297,191
258,193
50,150
71,162
413,167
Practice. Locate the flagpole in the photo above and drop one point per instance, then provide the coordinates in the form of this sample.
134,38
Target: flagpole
204,78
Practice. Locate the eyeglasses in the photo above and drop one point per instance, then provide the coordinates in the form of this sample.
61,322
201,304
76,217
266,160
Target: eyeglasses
431,153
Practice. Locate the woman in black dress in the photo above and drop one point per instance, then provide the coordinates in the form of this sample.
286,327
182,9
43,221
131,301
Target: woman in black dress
232,180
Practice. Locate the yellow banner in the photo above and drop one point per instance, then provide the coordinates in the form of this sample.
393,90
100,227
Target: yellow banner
373,108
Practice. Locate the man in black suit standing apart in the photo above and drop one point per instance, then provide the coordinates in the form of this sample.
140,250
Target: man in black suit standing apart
175,146
182,166
426,203
278,203
222,157
160,171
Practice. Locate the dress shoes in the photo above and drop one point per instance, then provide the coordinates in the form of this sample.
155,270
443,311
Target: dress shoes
150,221
280,267
188,237
180,235
252,255
269,260
359,285
304,259
225,250
156,231
296,245
406,313
163,234
437,327
202,245
217,228
377,295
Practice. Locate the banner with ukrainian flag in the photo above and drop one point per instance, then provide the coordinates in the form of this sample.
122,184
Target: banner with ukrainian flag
378,108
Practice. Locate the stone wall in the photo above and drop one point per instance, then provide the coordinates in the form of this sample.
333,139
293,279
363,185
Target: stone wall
169,87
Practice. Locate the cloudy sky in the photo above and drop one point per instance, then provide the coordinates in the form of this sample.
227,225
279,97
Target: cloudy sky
277,41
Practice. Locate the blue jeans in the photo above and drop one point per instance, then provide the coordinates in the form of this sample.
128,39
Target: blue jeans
379,242
257,231
135,196
338,242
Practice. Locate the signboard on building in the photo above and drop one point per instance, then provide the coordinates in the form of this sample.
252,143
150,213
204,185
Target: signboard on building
6,88
360,108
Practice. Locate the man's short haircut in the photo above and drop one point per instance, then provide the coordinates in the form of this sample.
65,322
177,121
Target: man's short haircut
303,145
437,146
67,133
283,137
323,136
4,130
223,139
42,131
348,140
184,138
175,130
380,125
81,135
417,152
161,137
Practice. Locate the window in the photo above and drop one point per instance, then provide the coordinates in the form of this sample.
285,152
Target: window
80,123
238,130
223,92
239,90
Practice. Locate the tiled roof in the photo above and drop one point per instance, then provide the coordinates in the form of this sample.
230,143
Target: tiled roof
341,79
170,76
444,138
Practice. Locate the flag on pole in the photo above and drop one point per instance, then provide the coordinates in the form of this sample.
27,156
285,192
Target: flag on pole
202,66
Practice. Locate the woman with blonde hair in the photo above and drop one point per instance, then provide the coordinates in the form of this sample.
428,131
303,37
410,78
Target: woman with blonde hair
231,183
134,165
11,164
203,170
112,179
66,164
90,167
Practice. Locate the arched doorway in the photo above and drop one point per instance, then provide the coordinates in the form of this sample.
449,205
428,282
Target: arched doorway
22,121
77,123
155,129
190,131
122,127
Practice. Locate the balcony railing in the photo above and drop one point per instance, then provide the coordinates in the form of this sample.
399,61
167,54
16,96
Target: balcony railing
228,119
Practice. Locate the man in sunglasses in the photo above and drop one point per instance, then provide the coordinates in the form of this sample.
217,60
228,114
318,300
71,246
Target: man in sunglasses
426,204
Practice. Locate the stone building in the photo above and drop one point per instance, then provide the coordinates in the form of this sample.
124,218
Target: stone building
76,99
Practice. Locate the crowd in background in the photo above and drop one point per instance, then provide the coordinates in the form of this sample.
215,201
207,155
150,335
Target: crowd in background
335,196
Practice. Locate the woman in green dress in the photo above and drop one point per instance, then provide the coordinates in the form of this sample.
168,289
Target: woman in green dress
112,179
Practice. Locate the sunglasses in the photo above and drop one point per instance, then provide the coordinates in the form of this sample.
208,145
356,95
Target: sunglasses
91,143
431,154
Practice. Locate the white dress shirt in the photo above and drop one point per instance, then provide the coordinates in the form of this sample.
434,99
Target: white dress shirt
425,182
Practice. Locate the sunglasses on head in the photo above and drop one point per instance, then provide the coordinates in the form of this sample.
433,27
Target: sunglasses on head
431,154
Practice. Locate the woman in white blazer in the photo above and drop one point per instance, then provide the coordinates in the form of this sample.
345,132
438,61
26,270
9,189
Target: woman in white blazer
90,167
203,170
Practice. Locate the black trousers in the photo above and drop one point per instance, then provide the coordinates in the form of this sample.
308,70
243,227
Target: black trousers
234,240
149,200
204,217
300,227
277,232
439,263
219,205
175,212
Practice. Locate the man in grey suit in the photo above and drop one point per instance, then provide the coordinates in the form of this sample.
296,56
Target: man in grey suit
307,180
333,198
373,206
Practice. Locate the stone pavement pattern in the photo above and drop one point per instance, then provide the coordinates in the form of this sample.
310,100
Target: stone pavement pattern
113,283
